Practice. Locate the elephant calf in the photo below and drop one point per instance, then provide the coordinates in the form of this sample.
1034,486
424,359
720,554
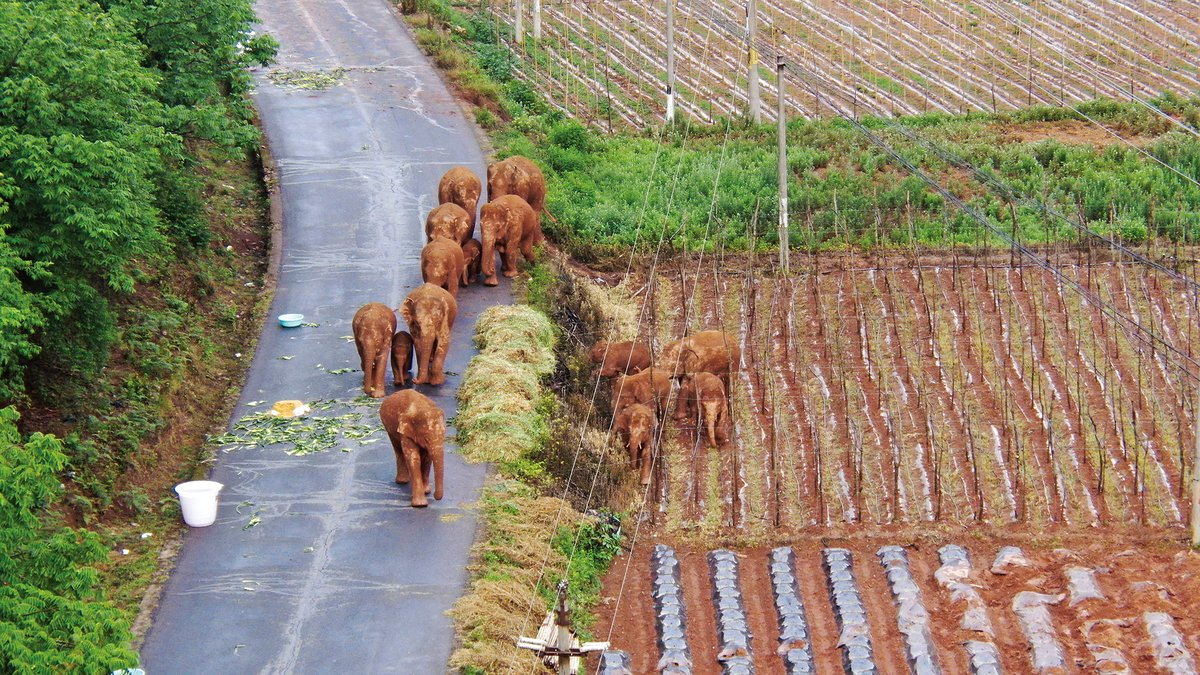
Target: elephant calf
704,396
636,425
709,351
402,358
620,358
473,257
416,427
374,325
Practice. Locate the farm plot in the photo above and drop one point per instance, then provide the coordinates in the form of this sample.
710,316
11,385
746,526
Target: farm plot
605,61
875,392
890,603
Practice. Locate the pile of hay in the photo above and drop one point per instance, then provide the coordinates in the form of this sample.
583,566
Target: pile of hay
496,418
515,554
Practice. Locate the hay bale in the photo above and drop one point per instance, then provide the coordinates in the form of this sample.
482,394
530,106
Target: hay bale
519,333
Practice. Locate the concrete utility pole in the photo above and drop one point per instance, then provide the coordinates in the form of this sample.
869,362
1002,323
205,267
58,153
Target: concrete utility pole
537,20
752,59
784,238
670,61
520,27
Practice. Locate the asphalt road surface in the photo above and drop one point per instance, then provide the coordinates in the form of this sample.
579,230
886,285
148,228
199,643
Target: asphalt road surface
316,563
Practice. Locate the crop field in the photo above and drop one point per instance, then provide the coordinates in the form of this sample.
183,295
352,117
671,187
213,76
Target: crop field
605,61
907,410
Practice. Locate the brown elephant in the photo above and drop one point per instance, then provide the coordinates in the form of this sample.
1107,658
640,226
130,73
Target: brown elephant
402,358
417,428
374,324
461,186
620,358
709,351
442,264
650,387
519,176
507,224
704,396
473,257
636,425
429,311
450,221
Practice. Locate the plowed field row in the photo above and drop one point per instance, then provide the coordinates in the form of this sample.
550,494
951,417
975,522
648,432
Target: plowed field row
880,57
949,393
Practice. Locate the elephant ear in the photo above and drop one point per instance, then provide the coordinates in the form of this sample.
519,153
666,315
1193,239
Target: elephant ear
406,310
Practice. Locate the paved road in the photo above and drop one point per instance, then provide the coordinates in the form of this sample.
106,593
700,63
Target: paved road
340,574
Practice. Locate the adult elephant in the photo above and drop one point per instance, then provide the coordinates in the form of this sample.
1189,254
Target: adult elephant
507,224
651,387
635,424
416,427
374,324
709,351
442,264
619,358
450,221
429,312
461,186
519,176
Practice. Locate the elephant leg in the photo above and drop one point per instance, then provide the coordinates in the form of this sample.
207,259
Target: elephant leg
647,462
424,347
437,368
487,263
722,425
365,363
401,465
380,369
510,261
527,249
452,281
426,465
412,456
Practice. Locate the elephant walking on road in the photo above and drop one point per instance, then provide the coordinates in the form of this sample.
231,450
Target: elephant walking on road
461,186
374,325
402,358
416,427
442,264
449,221
429,312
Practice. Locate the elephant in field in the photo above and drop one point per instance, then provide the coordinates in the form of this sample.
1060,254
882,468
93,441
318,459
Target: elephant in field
619,358
402,358
374,325
507,224
651,387
709,351
461,186
449,221
429,312
473,257
519,176
704,396
416,427
442,264
635,424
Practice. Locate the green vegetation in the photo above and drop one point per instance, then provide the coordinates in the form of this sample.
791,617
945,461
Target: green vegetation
128,206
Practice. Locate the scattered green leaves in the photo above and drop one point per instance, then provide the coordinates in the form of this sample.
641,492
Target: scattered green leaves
306,434
309,80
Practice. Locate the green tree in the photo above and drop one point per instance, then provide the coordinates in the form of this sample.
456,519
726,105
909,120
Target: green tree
52,619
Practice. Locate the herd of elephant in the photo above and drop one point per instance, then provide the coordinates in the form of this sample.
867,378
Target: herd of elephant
704,364
508,223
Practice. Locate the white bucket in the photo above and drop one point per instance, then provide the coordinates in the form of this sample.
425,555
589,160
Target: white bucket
198,500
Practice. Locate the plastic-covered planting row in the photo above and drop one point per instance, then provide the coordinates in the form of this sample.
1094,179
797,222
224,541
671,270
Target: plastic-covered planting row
614,662
1170,652
1044,649
953,575
855,636
911,616
795,645
671,618
732,626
